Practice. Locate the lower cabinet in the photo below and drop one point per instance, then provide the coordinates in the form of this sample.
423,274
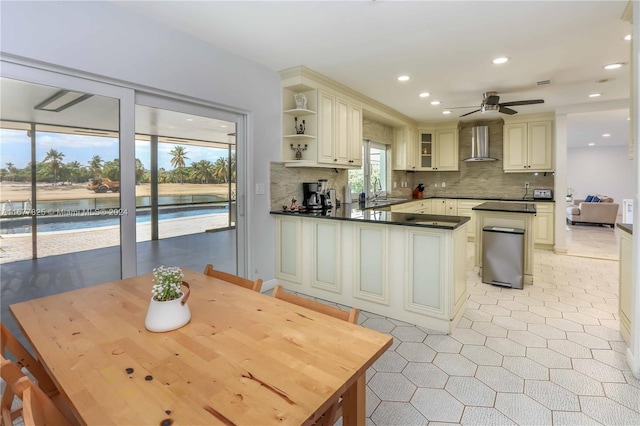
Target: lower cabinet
543,225
625,290
409,273
289,249
371,281
325,254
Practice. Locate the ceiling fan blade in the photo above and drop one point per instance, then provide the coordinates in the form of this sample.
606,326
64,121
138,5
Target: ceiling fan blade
469,113
518,103
472,106
506,110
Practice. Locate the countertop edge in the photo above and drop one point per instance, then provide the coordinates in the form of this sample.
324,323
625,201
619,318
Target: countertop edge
627,227
427,217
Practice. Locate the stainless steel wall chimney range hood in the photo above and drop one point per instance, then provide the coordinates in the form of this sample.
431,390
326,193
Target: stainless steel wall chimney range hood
480,144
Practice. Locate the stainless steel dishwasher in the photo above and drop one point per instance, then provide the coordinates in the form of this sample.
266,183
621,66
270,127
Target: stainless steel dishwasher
503,256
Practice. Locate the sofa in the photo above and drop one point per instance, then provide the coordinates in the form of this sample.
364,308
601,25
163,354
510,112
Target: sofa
602,212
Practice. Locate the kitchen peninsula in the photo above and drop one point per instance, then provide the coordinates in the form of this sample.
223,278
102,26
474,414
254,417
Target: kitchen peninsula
507,215
406,266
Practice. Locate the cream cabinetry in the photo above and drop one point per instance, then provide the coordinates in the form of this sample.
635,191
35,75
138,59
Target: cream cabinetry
370,272
444,206
339,131
528,146
326,133
420,206
465,208
543,225
325,255
413,274
289,249
438,150
405,140
625,296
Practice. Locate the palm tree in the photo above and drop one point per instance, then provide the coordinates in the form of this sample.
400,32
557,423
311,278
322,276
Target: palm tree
75,170
221,169
10,167
179,154
95,166
54,159
202,171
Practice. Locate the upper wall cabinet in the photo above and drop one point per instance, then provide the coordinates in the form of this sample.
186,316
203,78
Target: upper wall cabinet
320,128
438,150
528,146
405,143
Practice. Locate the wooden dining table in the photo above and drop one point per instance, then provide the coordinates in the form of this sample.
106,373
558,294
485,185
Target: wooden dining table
245,358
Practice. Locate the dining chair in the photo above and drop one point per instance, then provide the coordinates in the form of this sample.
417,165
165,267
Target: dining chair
24,360
349,316
335,411
233,279
8,342
10,373
37,407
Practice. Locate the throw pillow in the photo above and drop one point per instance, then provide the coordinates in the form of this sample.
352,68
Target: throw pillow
595,200
588,199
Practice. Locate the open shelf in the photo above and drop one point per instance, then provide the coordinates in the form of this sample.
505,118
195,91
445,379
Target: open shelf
298,112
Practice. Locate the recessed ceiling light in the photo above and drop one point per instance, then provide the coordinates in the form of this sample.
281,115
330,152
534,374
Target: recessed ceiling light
224,126
403,78
591,144
424,94
189,119
500,60
627,37
446,111
435,102
606,135
613,66
595,95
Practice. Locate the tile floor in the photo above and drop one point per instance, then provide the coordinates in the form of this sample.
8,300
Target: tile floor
549,354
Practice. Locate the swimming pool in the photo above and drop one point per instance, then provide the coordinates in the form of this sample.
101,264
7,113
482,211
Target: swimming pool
22,225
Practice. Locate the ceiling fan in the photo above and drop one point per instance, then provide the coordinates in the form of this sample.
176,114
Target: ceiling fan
491,102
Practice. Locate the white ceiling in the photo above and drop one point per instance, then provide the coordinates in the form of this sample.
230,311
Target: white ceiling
446,47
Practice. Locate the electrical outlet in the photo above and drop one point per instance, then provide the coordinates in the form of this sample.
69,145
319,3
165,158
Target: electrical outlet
443,184
526,185
395,185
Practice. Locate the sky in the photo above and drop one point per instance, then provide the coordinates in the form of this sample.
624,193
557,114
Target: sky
15,147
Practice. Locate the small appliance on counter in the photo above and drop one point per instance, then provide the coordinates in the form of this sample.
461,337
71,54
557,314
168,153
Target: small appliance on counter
326,199
542,194
311,198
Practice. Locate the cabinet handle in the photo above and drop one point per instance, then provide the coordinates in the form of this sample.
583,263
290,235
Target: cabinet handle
335,159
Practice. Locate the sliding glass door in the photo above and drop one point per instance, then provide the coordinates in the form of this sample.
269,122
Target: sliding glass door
185,189
50,139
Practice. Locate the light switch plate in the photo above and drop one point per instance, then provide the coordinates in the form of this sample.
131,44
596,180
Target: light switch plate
259,188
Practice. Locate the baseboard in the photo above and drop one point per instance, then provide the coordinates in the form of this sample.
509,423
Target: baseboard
634,364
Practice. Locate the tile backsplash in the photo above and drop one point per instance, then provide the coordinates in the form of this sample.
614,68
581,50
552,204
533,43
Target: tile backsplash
286,182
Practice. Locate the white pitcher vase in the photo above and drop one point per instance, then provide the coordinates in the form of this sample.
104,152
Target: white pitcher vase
168,315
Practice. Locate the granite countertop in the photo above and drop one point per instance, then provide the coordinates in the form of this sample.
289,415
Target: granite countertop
507,207
628,227
362,213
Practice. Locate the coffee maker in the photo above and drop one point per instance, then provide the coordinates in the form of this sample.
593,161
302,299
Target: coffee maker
312,199
325,194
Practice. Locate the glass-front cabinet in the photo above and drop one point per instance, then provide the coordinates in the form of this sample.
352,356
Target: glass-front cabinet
426,150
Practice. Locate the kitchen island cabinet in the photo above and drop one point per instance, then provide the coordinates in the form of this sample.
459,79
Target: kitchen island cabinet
406,266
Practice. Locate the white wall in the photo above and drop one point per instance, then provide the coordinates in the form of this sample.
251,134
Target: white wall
600,170
103,39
